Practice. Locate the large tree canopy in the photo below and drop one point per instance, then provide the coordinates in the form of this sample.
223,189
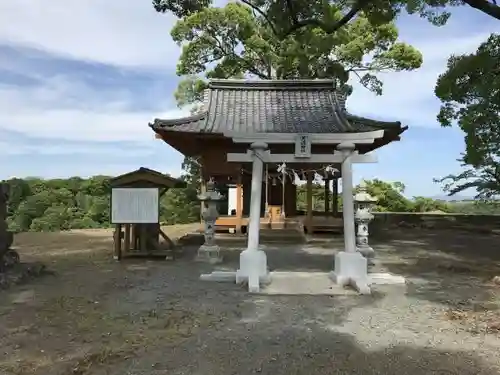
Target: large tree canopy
234,41
286,17
470,93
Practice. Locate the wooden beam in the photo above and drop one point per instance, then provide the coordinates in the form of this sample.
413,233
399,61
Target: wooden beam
328,138
334,158
167,239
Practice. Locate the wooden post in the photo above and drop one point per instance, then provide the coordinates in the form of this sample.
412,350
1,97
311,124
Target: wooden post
203,189
126,240
327,195
133,232
143,238
239,203
309,220
335,197
117,242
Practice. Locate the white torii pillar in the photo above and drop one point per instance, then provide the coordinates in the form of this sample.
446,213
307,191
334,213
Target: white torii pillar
253,261
351,267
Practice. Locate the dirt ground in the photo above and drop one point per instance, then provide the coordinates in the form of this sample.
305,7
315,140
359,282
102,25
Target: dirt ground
96,316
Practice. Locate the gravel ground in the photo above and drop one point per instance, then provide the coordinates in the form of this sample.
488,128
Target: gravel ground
397,330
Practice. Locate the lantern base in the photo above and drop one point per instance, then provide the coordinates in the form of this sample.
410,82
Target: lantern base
209,254
367,251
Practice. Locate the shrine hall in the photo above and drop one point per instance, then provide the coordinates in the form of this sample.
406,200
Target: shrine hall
298,126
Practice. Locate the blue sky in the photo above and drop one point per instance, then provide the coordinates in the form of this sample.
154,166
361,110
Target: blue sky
79,84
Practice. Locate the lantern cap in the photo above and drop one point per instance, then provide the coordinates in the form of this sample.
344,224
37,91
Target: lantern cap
210,194
362,196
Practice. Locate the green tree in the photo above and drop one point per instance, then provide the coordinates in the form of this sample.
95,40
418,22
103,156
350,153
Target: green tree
470,93
233,41
19,190
287,17
56,217
425,204
389,196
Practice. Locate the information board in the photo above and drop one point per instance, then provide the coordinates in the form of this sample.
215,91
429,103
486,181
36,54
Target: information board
134,205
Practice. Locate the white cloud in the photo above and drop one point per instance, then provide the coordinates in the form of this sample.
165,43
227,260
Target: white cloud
70,110
84,170
13,149
409,96
124,33
131,33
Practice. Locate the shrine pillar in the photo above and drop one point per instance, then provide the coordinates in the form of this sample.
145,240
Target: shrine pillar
309,217
239,203
253,261
335,197
327,195
351,268
348,198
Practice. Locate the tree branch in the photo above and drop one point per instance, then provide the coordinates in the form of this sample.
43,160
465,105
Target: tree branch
247,64
329,29
258,10
491,9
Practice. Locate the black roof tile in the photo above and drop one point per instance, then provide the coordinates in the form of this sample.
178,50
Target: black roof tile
285,106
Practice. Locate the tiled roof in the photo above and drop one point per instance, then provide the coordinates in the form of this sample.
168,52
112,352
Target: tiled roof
286,106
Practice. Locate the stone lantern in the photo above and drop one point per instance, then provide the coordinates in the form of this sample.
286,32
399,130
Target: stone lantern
364,203
209,251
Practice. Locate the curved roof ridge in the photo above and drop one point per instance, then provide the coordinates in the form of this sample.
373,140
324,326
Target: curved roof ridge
372,122
179,121
277,84
341,113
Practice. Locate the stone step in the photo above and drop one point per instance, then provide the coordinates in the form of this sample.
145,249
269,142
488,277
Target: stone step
266,236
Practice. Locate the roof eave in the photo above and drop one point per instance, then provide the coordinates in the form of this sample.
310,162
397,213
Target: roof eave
164,124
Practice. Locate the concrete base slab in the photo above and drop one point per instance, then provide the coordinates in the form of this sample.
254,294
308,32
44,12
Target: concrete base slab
386,279
219,276
303,283
234,277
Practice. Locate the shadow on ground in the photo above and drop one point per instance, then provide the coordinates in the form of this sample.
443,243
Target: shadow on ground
448,267
147,317
302,351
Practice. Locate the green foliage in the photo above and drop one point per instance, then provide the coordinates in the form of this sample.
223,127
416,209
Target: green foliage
235,42
63,204
470,93
75,203
475,207
288,18
389,197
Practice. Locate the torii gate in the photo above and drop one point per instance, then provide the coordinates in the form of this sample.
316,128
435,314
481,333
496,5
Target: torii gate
350,266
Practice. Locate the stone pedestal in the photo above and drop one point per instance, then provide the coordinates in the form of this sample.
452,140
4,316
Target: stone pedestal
209,254
253,269
364,203
351,269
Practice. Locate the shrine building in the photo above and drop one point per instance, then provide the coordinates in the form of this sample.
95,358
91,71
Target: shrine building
298,125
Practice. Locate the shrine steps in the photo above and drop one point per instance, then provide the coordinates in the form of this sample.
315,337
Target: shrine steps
267,237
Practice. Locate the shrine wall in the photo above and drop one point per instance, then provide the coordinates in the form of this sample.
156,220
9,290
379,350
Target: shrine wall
473,223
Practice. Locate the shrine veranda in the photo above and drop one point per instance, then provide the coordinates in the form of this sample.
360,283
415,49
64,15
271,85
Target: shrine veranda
249,132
